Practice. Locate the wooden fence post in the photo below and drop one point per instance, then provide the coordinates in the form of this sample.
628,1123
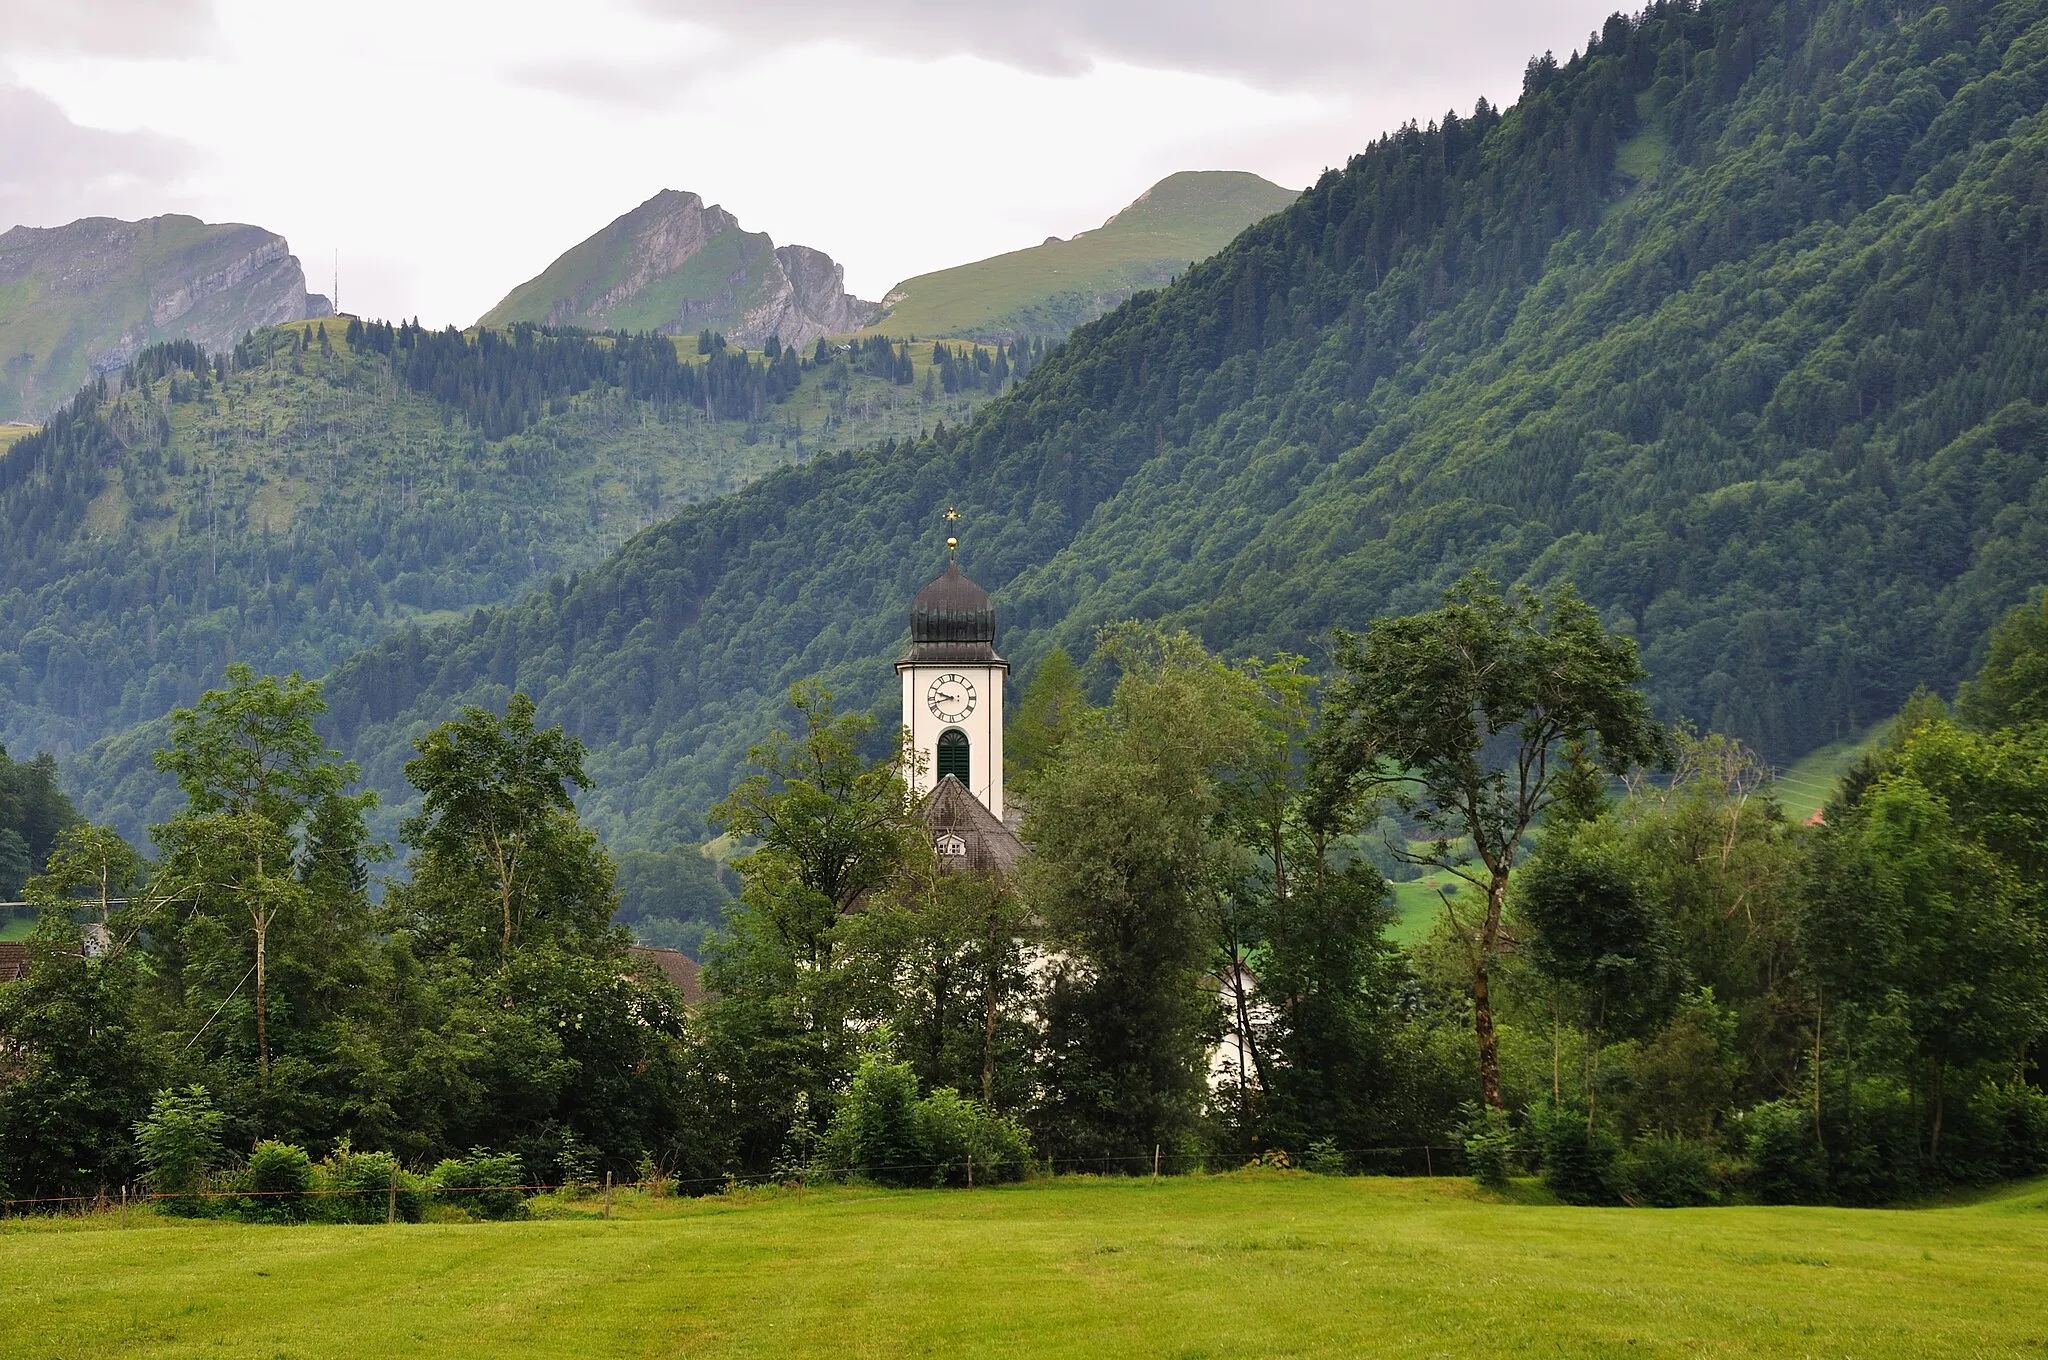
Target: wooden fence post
124,1206
607,1194
1155,1161
391,1200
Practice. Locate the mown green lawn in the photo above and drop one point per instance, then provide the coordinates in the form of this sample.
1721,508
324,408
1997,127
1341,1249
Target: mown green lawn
1248,1265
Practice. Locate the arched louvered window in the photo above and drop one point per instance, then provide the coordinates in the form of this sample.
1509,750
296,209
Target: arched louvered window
953,757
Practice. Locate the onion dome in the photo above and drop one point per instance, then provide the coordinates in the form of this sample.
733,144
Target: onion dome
952,619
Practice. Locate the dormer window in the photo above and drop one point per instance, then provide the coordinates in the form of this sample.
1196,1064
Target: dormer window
951,845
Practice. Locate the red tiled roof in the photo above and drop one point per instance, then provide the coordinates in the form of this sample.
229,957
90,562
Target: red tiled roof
679,968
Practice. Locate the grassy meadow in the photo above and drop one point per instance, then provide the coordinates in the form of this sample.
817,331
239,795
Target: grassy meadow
1252,1264
1049,289
1806,785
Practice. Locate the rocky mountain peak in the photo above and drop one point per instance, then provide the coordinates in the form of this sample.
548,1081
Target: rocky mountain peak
677,266
86,297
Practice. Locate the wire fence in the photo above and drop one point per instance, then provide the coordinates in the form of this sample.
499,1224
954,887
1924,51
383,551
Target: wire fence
1416,1160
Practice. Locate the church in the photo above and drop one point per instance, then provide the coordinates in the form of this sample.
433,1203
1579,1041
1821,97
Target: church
952,680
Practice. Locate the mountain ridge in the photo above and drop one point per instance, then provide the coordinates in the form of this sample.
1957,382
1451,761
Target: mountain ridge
86,297
675,266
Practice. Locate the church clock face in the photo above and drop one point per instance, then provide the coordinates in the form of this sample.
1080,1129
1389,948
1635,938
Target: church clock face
951,697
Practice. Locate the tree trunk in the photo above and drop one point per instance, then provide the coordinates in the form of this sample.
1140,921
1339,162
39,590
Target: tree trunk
262,921
988,1042
1482,1001
1556,1052
1940,1092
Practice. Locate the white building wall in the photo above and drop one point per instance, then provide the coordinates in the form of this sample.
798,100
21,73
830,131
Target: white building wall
983,728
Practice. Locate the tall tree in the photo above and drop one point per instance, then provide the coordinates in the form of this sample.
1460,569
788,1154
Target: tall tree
833,829
1052,706
1307,972
500,848
1126,859
255,773
2012,687
1461,714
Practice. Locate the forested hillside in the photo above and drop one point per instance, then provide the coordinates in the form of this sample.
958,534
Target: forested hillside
312,489
1735,319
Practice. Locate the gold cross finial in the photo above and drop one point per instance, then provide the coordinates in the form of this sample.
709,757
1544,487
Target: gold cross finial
952,517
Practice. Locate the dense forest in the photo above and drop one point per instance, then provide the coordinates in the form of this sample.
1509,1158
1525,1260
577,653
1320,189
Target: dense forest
33,810
1653,988
1735,319
305,494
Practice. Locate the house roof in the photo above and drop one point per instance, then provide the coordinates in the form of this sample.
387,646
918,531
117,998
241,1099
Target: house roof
13,960
984,842
679,968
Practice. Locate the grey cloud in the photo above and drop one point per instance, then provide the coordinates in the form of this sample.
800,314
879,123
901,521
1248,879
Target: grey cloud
52,170
1319,45
137,28
633,86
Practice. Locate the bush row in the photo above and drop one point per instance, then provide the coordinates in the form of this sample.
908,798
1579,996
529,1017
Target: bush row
1863,1148
281,1183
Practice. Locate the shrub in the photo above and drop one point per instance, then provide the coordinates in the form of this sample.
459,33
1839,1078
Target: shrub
179,1142
883,1132
1580,1165
1490,1148
361,1186
278,1179
951,1129
1785,1163
1667,1172
1325,1158
483,1183
1872,1153
874,1133
2012,1126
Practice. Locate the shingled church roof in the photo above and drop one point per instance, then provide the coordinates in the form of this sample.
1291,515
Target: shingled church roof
952,620
966,834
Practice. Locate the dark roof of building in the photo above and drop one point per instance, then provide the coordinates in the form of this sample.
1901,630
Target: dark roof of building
679,968
952,619
13,960
983,842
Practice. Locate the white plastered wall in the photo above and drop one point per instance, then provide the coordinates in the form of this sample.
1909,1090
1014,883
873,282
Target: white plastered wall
983,727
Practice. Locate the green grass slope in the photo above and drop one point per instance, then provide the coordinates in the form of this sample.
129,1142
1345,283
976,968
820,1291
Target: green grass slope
1779,409
1248,1265
1805,786
82,297
1049,289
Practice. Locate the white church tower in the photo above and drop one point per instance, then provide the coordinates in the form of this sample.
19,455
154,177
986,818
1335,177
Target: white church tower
953,687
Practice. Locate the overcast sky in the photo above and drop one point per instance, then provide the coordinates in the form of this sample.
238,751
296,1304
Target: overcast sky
449,149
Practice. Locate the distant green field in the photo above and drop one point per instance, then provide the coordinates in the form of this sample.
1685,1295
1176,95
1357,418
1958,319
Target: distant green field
1051,288
9,434
1809,782
1227,1266
14,927
1418,905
